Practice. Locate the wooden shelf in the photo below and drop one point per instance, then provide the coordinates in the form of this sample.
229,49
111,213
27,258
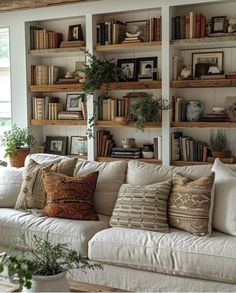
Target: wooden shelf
57,52
133,85
128,47
197,83
109,159
204,124
189,163
58,122
56,88
112,124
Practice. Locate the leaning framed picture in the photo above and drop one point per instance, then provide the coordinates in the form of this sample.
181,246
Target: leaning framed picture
79,145
74,102
219,24
147,68
75,33
212,59
56,145
129,68
139,28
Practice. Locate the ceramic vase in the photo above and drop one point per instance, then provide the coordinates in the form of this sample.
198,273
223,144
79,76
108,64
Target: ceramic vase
194,110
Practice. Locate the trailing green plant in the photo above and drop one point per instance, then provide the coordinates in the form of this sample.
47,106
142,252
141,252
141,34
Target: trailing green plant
17,138
218,140
147,108
45,259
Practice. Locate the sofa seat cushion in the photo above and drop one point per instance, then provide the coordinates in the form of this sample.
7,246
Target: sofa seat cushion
176,253
14,223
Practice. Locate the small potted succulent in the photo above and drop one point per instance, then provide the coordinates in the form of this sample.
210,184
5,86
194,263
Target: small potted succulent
219,144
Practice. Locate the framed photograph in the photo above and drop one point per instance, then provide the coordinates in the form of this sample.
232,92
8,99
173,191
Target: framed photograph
147,68
219,24
129,67
79,145
214,59
75,33
56,145
134,27
74,102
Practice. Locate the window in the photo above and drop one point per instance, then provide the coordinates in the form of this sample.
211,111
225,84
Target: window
5,85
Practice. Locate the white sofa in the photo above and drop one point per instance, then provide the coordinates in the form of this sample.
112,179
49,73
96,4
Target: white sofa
134,260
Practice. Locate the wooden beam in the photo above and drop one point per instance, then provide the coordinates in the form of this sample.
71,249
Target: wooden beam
9,5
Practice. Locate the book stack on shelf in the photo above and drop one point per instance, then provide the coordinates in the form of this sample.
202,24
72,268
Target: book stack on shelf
110,32
215,117
189,26
109,108
105,143
155,29
128,153
43,39
71,115
46,107
72,44
43,74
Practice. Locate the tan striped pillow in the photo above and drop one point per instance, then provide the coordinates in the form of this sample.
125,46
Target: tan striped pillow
190,204
142,207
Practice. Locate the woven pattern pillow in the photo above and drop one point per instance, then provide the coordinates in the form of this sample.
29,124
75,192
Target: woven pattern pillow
142,207
33,194
190,203
70,197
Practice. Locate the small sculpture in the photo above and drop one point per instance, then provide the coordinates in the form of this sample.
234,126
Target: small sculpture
186,72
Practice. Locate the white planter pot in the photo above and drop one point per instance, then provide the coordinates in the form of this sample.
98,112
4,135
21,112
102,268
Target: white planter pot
56,283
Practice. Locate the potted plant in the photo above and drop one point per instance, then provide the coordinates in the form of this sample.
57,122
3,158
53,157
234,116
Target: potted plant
219,144
43,268
17,143
147,108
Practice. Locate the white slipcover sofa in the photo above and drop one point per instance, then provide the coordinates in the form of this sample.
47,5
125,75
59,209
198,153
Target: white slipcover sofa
132,259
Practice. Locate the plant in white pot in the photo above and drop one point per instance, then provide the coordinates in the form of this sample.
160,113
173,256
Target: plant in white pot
44,267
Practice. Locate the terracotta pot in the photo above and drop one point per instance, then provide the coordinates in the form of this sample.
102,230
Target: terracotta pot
18,160
221,154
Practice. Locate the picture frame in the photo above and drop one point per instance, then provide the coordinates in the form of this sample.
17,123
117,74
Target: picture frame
147,68
75,33
79,145
141,25
211,58
219,24
74,102
129,67
56,145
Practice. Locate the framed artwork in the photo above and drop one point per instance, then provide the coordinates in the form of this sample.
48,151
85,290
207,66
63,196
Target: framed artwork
75,33
147,68
79,145
213,59
134,27
74,102
219,24
56,145
129,67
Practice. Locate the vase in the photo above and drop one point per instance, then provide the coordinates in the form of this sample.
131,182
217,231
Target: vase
194,110
148,151
54,283
18,160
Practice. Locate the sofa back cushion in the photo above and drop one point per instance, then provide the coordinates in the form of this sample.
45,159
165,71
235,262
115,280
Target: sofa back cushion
111,177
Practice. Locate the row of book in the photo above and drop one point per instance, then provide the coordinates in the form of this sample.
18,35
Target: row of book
44,39
109,108
45,74
189,26
105,143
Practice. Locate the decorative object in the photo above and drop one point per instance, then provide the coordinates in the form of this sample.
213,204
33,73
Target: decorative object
219,144
147,151
42,268
73,102
75,33
219,24
186,72
147,68
129,68
208,58
17,143
230,103
56,145
128,142
194,110
79,145
140,27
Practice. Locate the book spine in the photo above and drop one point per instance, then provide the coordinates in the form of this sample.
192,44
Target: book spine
198,25
187,27
203,26
182,27
177,27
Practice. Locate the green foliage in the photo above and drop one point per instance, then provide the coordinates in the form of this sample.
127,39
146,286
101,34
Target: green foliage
218,140
45,259
147,108
15,139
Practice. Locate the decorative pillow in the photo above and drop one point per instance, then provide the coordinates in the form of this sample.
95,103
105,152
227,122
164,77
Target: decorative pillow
142,207
33,194
190,204
70,197
10,184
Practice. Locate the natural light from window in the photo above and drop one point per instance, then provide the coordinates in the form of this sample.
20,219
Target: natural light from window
5,85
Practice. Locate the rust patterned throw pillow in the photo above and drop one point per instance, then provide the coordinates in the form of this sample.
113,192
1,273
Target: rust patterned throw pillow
70,197
190,204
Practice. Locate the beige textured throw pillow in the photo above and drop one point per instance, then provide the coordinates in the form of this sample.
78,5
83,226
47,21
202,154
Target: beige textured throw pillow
142,207
33,194
190,204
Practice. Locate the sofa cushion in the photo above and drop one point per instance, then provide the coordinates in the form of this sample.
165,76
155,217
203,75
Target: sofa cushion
111,177
176,253
70,197
190,204
142,206
32,194
15,223
10,185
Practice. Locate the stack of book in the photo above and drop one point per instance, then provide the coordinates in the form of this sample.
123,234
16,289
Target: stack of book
128,153
105,143
46,107
215,117
110,32
43,74
75,115
72,44
109,108
131,40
